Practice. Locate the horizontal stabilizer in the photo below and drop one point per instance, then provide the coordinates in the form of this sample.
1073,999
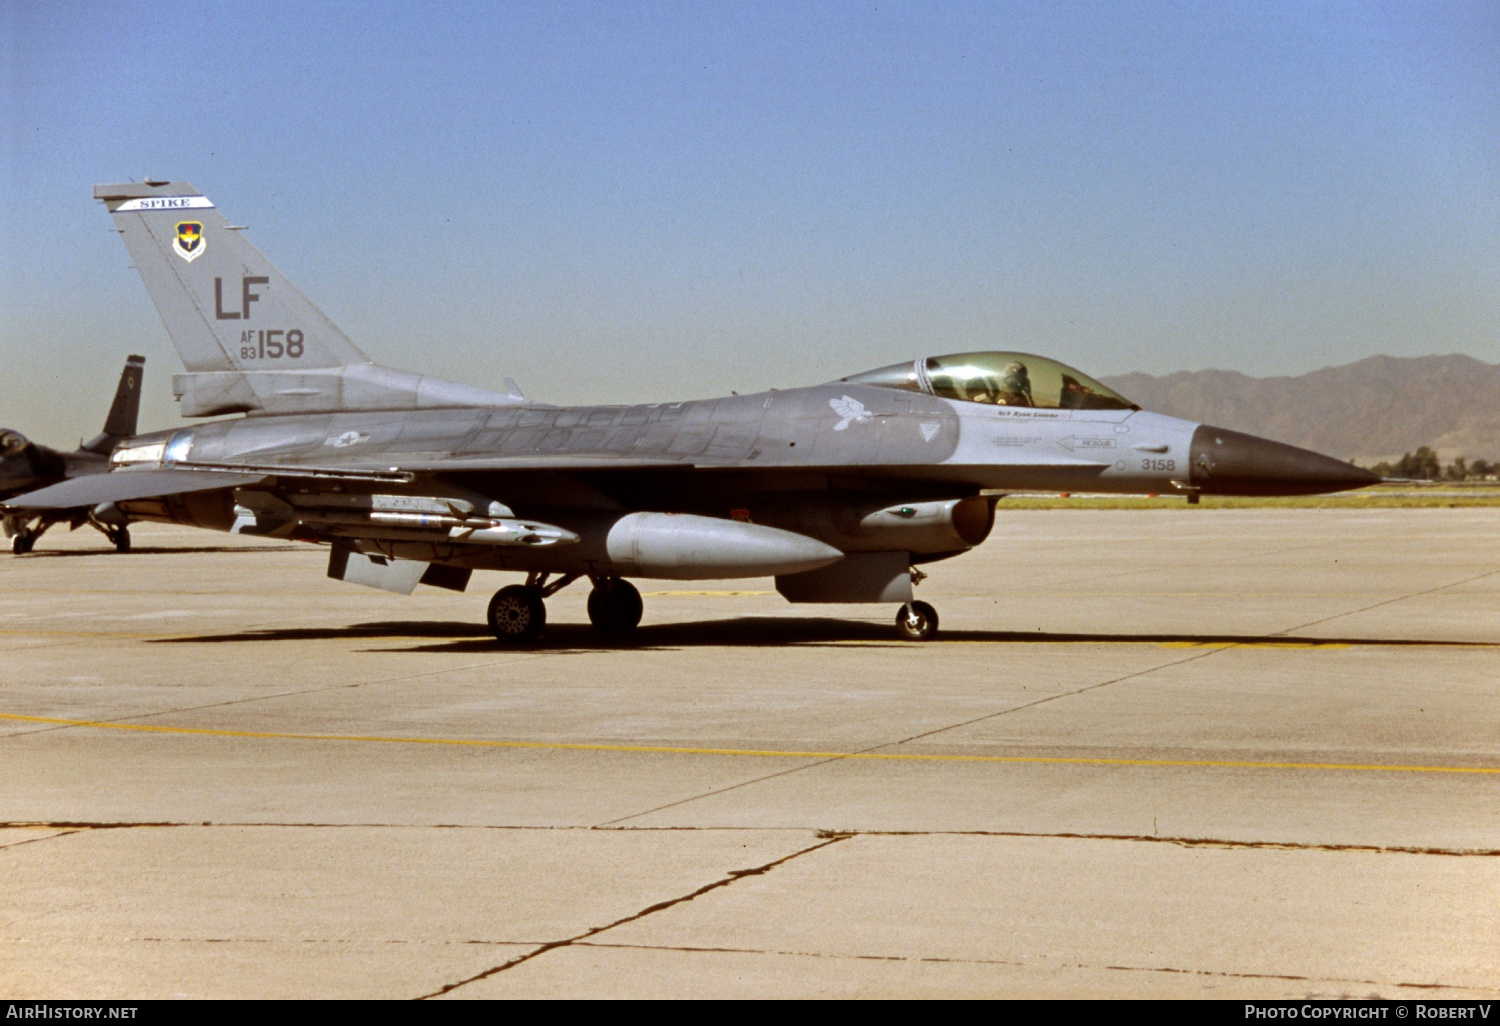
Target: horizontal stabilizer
120,485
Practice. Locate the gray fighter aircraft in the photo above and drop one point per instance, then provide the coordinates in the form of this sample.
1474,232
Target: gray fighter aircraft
840,491
25,465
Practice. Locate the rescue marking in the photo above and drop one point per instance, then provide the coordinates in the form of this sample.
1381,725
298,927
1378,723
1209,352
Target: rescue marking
753,752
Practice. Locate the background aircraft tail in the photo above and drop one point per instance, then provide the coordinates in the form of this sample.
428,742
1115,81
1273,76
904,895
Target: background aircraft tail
124,412
250,341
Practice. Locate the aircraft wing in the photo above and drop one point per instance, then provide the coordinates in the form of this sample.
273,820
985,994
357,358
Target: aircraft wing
121,485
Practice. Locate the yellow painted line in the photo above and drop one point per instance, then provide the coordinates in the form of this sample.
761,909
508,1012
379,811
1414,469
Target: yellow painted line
749,752
89,634
701,594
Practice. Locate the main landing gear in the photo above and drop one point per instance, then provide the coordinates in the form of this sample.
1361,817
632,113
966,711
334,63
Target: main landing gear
614,606
24,535
518,613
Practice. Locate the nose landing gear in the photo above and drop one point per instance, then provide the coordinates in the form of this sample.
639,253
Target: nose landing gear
917,621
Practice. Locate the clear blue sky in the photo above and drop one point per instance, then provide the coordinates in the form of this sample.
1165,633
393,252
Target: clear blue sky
626,202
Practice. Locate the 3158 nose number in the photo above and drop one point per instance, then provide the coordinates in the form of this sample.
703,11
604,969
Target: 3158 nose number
1161,465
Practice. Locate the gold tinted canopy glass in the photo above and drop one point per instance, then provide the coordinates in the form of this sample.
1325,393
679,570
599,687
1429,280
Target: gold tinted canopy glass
1000,379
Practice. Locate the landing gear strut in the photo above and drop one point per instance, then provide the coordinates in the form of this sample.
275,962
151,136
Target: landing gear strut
518,613
614,606
23,534
917,621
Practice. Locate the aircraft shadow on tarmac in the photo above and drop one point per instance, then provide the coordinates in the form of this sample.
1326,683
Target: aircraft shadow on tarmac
156,550
756,632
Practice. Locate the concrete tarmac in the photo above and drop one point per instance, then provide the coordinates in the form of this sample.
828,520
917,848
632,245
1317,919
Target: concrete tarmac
1221,753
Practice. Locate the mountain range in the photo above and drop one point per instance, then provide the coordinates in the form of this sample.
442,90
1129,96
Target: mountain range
1374,409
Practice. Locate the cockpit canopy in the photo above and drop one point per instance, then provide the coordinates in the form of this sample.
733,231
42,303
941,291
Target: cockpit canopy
1000,379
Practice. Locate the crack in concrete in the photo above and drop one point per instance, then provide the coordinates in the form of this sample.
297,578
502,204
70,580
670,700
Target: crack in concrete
932,959
32,840
733,876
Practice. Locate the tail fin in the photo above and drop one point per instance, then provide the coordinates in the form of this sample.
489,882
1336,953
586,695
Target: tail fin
251,342
125,411
224,304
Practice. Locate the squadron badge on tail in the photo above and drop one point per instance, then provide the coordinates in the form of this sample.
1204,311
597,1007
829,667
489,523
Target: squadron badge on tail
188,242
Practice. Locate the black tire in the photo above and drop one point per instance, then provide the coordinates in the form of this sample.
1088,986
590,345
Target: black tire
615,607
917,621
517,615
122,540
22,543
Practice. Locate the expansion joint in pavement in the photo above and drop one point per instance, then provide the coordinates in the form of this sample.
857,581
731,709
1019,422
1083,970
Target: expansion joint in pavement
66,828
1016,964
732,877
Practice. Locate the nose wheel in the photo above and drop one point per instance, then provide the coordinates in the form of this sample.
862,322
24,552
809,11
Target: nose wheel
22,543
917,621
614,606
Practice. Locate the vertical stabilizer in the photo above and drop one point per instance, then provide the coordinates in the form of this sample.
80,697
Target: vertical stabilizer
125,411
252,343
226,307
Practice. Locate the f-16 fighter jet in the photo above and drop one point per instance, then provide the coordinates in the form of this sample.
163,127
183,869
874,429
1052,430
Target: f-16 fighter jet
25,465
840,491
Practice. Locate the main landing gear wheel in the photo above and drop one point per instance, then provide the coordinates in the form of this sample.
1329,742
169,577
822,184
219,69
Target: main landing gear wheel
517,614
22,543
614,606
917,621
121,538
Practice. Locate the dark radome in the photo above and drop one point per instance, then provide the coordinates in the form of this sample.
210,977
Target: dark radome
1232,463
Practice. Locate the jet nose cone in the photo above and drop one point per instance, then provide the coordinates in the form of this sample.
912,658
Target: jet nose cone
1231,463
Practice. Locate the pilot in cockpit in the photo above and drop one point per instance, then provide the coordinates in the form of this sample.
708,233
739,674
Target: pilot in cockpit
1015,386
